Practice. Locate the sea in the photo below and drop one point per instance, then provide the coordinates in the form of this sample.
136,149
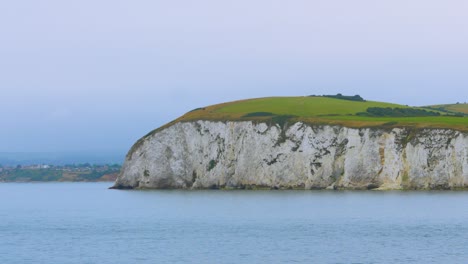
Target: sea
89,223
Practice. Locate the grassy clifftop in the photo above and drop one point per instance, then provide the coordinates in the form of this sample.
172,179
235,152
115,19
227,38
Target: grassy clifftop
324,110
333,111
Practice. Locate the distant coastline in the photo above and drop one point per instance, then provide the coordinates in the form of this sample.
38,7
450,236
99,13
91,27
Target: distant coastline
72,173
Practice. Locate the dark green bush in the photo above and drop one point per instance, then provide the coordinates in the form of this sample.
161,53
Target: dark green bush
258,114
211,164
356,97
397,112
281,120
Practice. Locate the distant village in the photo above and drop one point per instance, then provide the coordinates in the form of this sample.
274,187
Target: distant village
71,172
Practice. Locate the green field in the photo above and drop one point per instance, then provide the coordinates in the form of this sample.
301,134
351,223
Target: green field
324,110
455,108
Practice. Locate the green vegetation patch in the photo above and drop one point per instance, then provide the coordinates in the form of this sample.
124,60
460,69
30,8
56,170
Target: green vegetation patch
33,175
282,120
299,106
257,114
211,165
457,109
198,109
397,112
356,97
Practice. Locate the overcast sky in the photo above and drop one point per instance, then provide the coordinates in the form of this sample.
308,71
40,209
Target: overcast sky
95,75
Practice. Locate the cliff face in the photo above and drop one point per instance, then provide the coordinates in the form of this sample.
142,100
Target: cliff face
207,154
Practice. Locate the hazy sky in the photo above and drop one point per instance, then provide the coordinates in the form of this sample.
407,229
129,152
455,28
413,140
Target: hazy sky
95,75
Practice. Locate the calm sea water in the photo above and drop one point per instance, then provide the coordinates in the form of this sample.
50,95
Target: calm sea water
87,223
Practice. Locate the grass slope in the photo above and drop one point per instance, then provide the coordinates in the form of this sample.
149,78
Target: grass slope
454,108
320,110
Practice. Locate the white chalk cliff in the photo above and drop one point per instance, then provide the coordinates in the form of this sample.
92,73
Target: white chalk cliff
208,154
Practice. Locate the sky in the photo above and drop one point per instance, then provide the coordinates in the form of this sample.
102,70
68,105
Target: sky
96,75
